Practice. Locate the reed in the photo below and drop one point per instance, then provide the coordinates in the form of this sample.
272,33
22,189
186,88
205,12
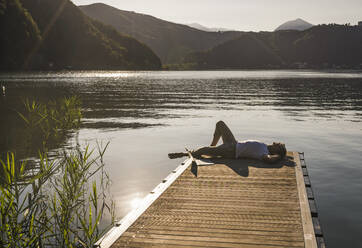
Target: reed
48,123
61,201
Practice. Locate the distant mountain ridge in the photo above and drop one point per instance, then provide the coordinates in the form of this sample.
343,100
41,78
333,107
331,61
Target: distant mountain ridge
170,41
322,46
246,51
206,29
57,35
297,24
183,47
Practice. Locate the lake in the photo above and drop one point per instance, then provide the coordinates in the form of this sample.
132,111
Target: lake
146,115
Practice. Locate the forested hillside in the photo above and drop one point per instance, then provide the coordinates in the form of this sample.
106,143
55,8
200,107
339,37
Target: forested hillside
68,39
247,51
19,35
170,41
323,46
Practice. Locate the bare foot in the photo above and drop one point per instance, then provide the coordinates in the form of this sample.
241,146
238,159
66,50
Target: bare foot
177,155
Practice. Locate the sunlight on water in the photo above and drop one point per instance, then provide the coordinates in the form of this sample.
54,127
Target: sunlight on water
240,74
110,74
136,202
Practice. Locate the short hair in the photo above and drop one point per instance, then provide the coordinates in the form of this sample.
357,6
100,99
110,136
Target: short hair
282,151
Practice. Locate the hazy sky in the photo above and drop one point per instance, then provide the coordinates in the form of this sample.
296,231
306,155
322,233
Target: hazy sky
243,15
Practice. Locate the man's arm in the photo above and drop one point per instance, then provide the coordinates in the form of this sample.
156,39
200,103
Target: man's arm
271,158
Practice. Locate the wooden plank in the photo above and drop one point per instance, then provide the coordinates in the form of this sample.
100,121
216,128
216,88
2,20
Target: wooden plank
137,243
317,227
307,181
309,235
310,193
235,193
220,232
253,205
224,236
262,227
305,171
228,210
230,217
156,241
236,202
227,241
321,243
313,208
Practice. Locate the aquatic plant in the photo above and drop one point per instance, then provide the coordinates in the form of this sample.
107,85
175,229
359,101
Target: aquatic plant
61,200
77,204
24,219
51,121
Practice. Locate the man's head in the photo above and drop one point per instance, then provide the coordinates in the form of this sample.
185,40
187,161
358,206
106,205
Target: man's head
277,149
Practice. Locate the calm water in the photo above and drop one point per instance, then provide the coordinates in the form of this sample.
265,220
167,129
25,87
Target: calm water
145,115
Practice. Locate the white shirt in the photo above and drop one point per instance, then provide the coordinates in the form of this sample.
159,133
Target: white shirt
251,149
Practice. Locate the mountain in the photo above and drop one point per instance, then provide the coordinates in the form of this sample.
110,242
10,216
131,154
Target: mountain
206,29
297,24
18,39
333,44
170,41
61,36
322,46
246,51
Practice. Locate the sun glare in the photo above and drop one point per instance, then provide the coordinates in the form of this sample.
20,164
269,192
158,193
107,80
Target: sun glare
136,202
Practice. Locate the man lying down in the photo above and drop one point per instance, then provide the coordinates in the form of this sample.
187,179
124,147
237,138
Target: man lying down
231,148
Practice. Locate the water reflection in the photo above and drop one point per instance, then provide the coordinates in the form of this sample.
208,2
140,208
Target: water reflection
152,99
31,125
121,100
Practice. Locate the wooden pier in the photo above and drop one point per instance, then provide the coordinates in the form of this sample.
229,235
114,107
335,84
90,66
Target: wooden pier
231,203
